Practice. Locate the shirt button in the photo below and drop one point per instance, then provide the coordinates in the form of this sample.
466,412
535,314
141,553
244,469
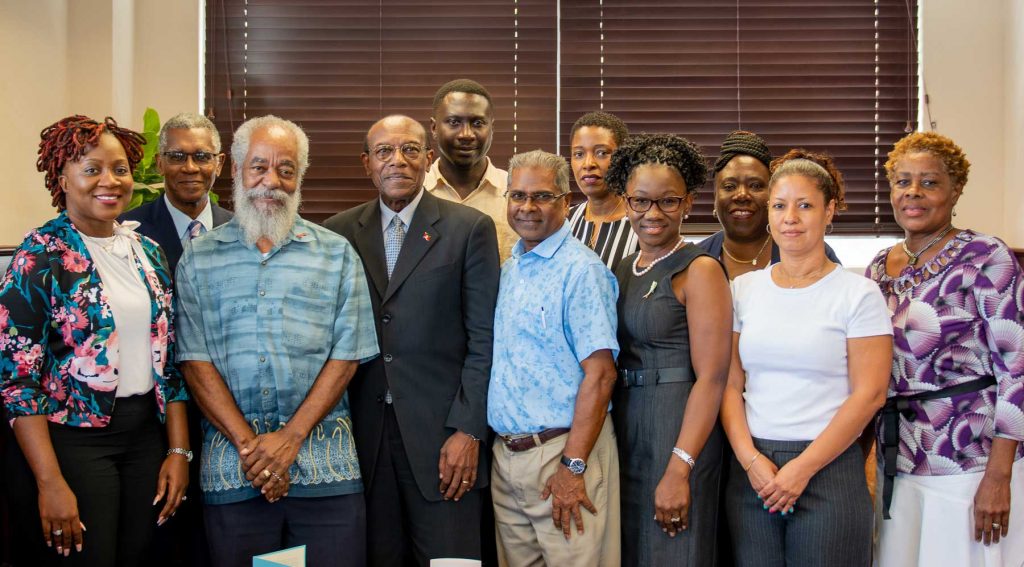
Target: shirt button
386,318
262,293
266,391
388,358
263,359
263,263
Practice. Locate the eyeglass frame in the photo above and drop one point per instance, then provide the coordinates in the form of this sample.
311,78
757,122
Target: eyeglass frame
534,197
419,150
653,202
169,156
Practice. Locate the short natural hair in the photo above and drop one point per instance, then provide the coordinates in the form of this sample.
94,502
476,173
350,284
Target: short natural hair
187,121
461,86
674,151
950,154
815,166
604,120
240,141
544,160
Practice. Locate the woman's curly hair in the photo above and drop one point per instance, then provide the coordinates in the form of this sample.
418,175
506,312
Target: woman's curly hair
668,149
826,174
935,144
70,138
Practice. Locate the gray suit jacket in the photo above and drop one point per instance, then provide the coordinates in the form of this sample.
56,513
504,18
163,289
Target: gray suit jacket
434,321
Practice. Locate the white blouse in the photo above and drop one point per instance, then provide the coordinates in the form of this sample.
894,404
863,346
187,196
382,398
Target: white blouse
130,303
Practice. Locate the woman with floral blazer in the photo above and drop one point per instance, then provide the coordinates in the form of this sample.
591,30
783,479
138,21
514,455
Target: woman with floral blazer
86,361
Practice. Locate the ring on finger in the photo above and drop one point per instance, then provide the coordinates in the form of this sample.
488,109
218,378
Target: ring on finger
267,473
675,520
996,525
58,532
276,476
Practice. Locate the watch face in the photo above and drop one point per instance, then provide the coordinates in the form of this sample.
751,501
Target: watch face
577,466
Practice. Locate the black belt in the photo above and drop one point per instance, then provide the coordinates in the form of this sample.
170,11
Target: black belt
900,405
652,376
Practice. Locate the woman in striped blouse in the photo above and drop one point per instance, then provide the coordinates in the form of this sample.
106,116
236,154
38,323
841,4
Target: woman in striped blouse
600,222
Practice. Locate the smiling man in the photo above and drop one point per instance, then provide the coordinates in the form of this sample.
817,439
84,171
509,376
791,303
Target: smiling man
555,476
420,409
274,317
189,158
462,126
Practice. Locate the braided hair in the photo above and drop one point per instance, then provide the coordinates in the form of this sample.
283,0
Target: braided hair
668,149
70,138
742,143
826,174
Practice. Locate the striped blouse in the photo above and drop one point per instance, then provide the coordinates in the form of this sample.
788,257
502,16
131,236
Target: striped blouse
615,240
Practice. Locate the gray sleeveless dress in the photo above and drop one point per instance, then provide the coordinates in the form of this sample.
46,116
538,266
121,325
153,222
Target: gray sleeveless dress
655,379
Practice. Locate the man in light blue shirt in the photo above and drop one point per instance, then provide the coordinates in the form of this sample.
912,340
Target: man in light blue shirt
551,382
274,317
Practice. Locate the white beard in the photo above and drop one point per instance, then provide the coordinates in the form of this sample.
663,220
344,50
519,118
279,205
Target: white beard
262,221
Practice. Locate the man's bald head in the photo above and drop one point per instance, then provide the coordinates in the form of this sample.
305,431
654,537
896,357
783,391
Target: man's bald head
395,121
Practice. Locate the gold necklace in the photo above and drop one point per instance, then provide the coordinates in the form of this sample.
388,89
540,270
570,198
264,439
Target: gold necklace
811,276
756,256
912,258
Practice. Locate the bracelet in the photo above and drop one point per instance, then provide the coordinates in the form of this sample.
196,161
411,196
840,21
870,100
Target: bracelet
751,463
471,436
179,451
684,456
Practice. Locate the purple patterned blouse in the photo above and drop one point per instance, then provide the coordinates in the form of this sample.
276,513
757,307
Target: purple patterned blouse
957,318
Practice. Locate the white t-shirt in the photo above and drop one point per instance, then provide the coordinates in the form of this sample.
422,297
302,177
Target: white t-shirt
793,348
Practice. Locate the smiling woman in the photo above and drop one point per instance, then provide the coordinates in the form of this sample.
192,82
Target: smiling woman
85,307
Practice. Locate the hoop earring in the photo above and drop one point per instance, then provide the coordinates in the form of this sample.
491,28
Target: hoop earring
830,228
768,228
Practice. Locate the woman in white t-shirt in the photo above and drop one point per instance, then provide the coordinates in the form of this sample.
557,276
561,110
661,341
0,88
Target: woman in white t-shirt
812,347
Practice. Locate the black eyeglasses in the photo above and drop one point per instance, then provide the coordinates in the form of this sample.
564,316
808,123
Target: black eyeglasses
666,204
544,198
385,152
178,157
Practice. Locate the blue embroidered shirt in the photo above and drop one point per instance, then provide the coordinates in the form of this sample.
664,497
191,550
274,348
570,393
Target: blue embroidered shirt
269,324
556,307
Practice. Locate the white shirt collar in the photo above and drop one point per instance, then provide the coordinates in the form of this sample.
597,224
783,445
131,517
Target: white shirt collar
181,220
406,214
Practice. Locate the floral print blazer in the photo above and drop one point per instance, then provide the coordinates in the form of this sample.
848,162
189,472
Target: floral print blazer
58,344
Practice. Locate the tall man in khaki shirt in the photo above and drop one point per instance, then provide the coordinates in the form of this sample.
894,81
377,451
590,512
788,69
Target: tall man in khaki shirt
462,127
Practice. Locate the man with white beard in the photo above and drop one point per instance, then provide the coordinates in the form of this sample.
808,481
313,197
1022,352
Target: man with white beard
273,318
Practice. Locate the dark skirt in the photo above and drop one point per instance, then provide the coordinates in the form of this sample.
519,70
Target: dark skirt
647,422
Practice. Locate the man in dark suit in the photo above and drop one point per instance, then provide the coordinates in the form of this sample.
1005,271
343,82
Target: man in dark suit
419,410
190,160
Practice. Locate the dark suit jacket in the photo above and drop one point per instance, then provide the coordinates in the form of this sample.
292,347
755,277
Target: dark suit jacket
157,224
435,326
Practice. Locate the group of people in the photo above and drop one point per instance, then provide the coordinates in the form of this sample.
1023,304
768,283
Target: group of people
467,359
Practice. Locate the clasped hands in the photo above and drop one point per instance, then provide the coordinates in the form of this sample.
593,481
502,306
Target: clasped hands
777,488
266,459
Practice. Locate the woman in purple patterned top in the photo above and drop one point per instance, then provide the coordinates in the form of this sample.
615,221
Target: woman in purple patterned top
950,435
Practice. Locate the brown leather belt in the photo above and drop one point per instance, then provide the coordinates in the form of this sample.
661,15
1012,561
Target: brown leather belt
517,444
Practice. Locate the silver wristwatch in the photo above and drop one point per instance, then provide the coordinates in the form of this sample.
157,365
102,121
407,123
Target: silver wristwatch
179,451
576,466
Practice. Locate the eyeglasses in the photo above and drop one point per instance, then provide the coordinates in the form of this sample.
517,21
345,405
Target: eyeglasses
178,157
544,198
385,152
666,204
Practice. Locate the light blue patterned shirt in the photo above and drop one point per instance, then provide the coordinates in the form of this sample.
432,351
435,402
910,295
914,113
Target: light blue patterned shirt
269,324
556,307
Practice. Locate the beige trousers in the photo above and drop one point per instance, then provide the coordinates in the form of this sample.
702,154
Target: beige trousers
527,537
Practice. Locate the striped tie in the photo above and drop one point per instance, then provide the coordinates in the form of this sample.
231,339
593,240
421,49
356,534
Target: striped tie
195,228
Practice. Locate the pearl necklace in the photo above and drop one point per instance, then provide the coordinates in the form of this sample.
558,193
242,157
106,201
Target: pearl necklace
636,261
911,257
756,256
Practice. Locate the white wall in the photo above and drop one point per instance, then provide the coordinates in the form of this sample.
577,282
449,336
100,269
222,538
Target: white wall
116,57
93,57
